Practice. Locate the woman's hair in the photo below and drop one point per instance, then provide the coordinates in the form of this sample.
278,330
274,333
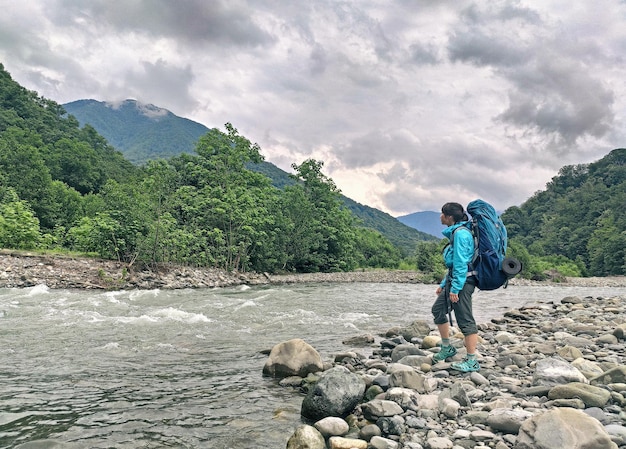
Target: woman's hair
454,210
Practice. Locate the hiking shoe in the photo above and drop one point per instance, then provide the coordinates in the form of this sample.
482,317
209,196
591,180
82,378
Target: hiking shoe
446,351
466,366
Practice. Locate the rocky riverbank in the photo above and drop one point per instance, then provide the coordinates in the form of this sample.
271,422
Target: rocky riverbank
553,376
23,269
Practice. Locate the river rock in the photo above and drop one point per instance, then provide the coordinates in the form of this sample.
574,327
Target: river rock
369,431
306,437
292,358
572,340
417,329
611,376
359,340
507,420
413,380
553,371
592,396
587,367
563,428
346,443
431,341
439,443
332,426
336,393
378,442
406,398
404,350
378,408
570,353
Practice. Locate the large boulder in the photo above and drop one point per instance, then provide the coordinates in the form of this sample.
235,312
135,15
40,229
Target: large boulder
336,393
293,358
563,428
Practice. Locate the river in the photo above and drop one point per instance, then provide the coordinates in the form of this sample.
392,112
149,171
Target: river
183,368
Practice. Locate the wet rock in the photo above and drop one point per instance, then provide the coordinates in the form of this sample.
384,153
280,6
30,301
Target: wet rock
292,358
336,393
359,340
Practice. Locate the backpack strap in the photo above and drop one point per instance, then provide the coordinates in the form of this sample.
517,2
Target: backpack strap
474,231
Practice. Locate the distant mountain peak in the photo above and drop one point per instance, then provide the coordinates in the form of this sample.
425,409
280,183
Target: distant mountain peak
148,110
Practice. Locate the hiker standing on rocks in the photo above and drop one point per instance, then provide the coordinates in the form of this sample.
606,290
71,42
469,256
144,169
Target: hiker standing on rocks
456,289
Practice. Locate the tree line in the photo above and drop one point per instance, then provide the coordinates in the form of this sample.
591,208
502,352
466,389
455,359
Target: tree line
65,188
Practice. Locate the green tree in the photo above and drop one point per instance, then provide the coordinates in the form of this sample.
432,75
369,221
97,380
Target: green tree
321,234
374,250
231,204
607,248
19,227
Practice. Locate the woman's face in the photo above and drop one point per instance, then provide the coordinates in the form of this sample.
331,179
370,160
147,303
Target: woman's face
446,219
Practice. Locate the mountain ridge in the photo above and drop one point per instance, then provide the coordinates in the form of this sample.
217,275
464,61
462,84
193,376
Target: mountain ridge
143,132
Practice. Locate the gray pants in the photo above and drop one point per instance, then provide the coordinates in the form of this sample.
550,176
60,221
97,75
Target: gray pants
462,308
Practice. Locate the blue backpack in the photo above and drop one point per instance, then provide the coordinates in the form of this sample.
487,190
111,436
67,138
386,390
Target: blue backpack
489,266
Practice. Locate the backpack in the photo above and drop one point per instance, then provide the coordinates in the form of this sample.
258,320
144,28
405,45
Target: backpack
489,266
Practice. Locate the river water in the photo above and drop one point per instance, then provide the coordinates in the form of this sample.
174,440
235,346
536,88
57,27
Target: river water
183,368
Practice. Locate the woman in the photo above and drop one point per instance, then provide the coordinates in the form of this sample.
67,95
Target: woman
456,289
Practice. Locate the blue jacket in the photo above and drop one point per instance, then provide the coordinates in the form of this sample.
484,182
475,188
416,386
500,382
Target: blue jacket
458,255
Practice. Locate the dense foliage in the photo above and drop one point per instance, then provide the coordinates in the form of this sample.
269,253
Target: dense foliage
579,221
144,133
65,187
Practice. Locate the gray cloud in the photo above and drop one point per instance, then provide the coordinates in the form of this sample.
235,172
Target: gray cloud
215,21
408,106
552,94
162,83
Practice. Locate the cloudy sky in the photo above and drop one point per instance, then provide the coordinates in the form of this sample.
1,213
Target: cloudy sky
409,103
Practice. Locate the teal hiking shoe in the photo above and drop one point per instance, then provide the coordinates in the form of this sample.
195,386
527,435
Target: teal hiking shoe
446,351
466,366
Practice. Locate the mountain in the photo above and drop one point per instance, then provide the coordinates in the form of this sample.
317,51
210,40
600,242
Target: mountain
146,132
141,131
580,216
428,222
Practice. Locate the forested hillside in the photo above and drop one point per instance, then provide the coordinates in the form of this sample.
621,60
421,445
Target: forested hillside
142,132
47,161
580,216
65,188
146,132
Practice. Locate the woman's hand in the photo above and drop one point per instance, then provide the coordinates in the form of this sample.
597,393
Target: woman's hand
454,297
439,290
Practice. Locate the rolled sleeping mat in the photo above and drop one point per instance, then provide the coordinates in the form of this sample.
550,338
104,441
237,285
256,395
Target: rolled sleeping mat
511,266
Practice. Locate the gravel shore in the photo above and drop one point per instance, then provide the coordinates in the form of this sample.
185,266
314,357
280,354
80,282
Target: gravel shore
21,269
